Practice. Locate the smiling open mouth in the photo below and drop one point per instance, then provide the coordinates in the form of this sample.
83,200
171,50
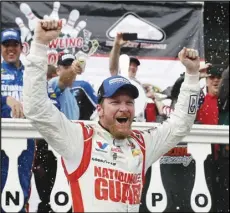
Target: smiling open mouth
122,120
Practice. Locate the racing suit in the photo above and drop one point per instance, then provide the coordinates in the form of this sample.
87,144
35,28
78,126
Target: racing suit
105,174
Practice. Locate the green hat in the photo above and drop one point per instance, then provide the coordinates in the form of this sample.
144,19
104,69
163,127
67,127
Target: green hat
215,71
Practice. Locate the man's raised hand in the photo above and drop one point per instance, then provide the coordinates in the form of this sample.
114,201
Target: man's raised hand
119,40
47,30
190,59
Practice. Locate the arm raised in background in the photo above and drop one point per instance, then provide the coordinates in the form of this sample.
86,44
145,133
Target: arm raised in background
63,135
167,135
67,78
115,53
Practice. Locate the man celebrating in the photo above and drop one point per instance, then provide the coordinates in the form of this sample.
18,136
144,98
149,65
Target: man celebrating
105,163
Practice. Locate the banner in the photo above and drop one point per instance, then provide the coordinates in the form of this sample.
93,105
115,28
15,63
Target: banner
163,30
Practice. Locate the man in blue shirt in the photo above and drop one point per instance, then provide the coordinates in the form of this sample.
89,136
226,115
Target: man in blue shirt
11,106
61,85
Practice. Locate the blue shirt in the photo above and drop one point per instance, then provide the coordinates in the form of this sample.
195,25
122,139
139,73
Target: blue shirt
68,104
12,84
87,88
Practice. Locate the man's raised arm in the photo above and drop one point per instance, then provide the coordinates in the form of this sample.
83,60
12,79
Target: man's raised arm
63,135
115,54
163,138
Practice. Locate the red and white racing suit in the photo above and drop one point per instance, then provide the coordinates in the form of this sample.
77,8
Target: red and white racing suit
105,174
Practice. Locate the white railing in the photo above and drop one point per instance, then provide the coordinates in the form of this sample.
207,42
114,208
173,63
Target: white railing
14,140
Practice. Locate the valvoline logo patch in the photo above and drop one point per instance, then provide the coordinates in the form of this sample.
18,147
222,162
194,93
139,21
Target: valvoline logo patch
102,146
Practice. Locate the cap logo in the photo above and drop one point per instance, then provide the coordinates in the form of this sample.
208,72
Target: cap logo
67,56
10,33
118,80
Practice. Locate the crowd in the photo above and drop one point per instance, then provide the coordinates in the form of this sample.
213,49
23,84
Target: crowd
77,100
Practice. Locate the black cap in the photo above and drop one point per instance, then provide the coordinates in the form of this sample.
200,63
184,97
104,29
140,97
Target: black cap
135,60
215,71
66,59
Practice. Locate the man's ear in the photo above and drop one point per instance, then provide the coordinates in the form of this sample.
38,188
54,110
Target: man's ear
100,110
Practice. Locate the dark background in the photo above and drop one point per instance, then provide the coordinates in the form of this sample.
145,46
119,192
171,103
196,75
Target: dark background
216,32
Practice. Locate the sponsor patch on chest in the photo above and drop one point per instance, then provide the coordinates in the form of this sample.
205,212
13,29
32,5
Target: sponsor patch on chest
117,186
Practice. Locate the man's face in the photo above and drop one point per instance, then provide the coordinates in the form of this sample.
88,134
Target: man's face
61,69
11,51
132,70
116,114
213,84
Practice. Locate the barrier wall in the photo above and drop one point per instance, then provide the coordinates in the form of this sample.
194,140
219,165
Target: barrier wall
14,140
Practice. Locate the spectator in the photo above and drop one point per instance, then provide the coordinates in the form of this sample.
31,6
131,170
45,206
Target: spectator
224,98
208,112
172,93
61,85
85,95
11,90
114,59
221,163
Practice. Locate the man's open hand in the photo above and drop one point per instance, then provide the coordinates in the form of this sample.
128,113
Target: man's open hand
190,59
47,30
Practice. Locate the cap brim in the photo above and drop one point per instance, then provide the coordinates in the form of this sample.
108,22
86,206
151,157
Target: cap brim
10,39
129,87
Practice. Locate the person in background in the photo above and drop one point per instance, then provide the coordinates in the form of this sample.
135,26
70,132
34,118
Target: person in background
208,112
12,71
224,98
173,93
61,85
221,164
114,59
